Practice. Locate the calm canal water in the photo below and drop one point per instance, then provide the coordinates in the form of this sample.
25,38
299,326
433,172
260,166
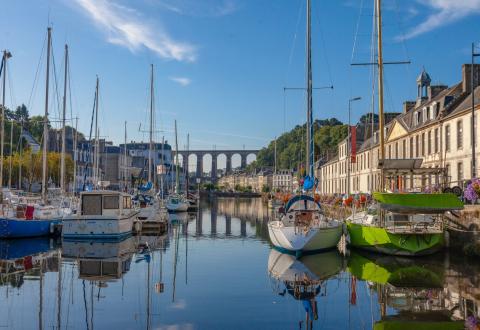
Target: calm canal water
215,269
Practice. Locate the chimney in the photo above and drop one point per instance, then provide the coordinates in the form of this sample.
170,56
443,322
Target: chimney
433,91
408,105
466,77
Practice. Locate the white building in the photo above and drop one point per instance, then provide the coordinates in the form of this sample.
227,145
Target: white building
282,180
436,127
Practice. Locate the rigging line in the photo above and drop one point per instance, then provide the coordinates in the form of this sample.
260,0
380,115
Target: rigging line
294,41
324,46
10,88
56,90
357,28
35,79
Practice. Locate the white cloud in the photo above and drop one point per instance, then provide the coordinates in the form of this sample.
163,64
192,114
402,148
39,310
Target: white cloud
124,26
444,12
200,8
181,80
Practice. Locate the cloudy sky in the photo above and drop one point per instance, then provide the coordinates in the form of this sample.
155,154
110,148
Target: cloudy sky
221,65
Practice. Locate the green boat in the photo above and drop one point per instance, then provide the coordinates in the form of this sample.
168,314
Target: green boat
405,224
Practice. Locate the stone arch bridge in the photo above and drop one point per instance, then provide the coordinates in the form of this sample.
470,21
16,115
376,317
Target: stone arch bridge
214,154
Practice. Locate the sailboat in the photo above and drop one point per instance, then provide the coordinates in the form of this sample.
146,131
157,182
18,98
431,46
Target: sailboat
400,223
32,218
302,226
177,202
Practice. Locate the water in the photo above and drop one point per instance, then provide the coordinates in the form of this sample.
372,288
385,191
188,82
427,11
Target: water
216,270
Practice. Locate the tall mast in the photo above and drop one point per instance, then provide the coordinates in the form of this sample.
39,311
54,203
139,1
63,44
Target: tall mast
45,120
176,161
6,55
275,157
380,88
309,163
125,158
75,142
150,150
95,152
163,169
186,165
62,159
11,155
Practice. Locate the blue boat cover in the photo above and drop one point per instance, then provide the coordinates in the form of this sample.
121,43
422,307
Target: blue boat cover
297,198
146,187
309,182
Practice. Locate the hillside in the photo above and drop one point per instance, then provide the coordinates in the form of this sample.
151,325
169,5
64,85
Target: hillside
291,145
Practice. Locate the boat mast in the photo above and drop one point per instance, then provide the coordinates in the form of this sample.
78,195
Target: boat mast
62,159
95,153
163,168
309,162
186,166
176,161
380,89
45,120
125,158
150,150
75,141
11,155
6,55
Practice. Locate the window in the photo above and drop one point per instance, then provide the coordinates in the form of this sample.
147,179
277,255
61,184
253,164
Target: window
416,146
404,149
423,144
127,202
110,202
428,113
92,205
411,147
447,138
390,151
449,172
436,140
429,142
396,150
459,134
460,172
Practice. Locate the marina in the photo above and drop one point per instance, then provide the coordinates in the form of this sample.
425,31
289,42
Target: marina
154,176
161,281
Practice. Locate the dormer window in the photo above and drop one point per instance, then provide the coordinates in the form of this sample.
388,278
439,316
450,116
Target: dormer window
418,118
427,111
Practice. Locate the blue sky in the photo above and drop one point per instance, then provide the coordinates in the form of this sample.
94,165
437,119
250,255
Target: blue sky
221,65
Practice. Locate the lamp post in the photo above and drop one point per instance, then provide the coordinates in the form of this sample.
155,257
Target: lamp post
472,83
349,160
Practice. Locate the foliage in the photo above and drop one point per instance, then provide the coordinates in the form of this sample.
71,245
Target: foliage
265,189
291,145
29,166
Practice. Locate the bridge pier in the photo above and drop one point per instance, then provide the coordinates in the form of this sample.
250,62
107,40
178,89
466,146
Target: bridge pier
199,166
214,168
228,167
243,159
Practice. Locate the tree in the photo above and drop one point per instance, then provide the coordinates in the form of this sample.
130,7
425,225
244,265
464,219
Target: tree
21,114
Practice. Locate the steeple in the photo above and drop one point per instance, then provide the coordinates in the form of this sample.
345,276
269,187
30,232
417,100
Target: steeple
423,82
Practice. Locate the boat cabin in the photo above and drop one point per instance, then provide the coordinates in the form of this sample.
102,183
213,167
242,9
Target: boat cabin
105,203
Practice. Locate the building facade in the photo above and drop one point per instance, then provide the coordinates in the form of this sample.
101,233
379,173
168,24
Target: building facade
436,127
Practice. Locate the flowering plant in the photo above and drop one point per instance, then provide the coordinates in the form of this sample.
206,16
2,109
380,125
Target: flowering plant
472,192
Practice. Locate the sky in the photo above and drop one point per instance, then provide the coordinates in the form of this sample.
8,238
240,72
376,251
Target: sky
221,66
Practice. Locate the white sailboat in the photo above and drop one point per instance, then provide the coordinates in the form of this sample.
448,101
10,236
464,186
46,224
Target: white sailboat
302,225
177,202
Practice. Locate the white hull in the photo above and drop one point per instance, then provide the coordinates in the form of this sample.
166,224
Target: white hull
181,206
97,226
314,238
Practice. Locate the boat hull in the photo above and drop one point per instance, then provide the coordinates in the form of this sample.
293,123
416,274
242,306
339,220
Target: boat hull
97,227
316,239
378,239
21,228
178,207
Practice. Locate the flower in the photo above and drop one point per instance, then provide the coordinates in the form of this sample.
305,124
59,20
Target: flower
472,191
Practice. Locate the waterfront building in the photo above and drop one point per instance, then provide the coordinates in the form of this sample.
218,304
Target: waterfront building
282,180
436,128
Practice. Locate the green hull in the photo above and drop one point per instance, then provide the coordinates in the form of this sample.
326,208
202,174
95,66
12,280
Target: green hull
379,240
418,202
400,272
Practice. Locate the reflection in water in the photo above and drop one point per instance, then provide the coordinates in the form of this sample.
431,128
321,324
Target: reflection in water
215,269
303,278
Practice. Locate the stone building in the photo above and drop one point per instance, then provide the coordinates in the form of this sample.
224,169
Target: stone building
283,180
436,127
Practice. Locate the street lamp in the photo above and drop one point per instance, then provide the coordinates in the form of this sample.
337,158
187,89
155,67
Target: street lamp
349,142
